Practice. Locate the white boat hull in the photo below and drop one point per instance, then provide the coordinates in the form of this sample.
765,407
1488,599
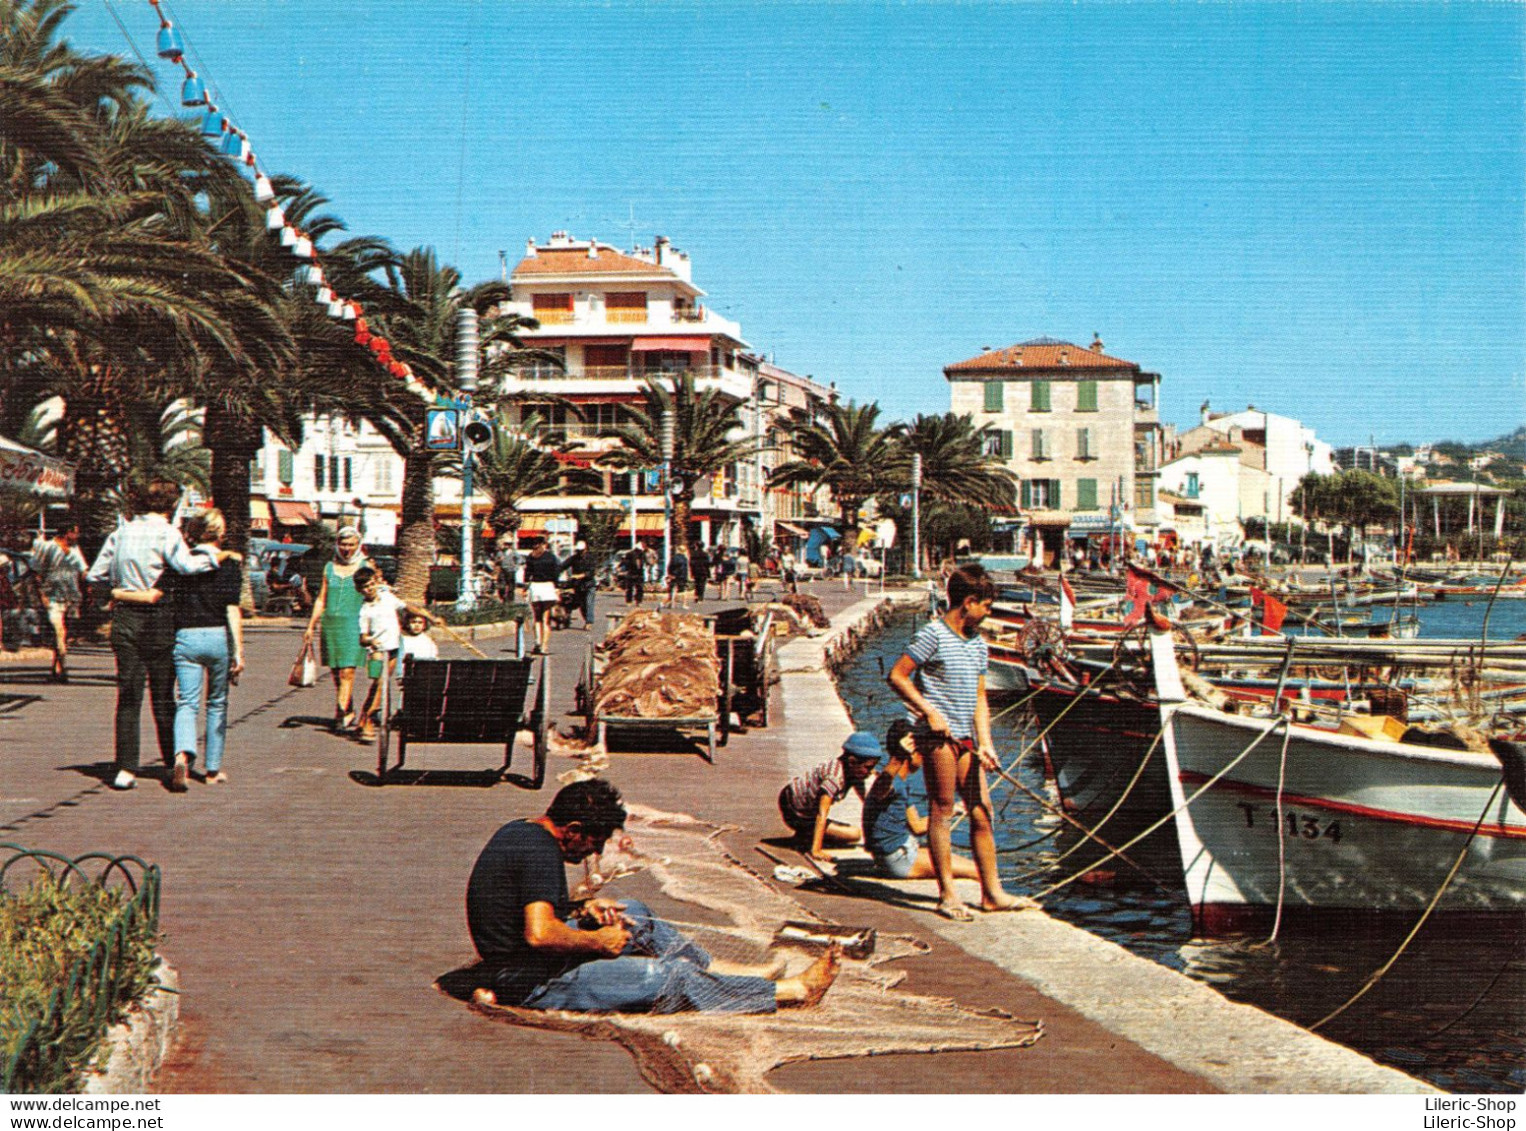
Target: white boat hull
1366,825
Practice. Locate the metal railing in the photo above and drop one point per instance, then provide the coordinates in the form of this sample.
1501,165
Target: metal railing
47,1043
620,373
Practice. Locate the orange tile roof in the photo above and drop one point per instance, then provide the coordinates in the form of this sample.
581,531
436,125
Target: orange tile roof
1045,353
575,261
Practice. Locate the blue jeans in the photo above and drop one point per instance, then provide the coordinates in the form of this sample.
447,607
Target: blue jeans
660,971
201,653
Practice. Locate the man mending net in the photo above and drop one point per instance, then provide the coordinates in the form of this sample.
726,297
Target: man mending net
542,951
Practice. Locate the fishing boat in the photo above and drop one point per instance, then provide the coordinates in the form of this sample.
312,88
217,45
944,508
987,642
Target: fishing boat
1272,814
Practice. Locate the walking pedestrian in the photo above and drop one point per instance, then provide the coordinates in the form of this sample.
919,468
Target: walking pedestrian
209,650
542,570
699,570
133,559
336,610
678,578
584,585
633,575
59,564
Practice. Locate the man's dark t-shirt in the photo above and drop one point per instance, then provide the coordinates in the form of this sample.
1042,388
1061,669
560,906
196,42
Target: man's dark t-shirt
521,865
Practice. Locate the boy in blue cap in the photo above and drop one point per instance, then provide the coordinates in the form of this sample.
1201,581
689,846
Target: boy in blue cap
805,801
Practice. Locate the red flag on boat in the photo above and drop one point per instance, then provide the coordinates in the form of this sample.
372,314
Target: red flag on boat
1273,611
1141,589
1067,604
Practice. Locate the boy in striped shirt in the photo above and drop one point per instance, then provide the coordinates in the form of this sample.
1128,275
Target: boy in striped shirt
942,678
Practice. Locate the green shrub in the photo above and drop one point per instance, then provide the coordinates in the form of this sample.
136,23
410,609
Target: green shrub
46,929
487,610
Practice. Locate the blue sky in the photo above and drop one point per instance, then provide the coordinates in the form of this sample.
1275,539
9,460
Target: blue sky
1313,208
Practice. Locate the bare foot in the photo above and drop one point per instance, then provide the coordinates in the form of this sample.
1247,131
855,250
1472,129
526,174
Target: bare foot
1010,903
958,912
484,996
812,983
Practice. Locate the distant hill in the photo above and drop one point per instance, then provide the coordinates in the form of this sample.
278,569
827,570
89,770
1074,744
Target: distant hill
1513,445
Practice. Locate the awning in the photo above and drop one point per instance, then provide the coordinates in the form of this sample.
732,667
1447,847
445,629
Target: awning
682,345
293,514
646,524
33,472
259,510
453,510
799,532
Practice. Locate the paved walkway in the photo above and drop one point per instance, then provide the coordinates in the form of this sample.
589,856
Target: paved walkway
308,912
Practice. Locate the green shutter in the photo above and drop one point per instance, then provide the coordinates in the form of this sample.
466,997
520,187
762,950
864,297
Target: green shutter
1006,445
1027,495
994,396
285,467
1040,397
1086,396
1086,494
1054,495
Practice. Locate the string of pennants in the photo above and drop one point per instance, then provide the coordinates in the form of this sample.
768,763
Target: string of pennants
233,143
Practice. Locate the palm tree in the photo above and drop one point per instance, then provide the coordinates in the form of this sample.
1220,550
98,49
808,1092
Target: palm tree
958,470
518,466
848,453
705,439
416,313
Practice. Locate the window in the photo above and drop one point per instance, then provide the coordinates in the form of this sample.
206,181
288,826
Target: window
383,476
1040,401
285,467
318,472
552,309
1040,444
1192,485
996,444
994,396
1084,444
1086,396
625,306
1040,494
1144,494
1086,494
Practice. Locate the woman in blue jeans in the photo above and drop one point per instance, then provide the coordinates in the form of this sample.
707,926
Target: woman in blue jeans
209,647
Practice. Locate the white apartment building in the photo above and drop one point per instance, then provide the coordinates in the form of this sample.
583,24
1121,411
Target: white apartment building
1218,485
341,472
612,319
1281,446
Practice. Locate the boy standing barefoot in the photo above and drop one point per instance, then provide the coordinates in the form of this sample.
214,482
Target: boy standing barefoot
942,678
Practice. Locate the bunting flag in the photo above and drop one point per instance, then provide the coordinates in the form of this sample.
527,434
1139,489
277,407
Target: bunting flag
226,138
1140,590
1067,604
1273,611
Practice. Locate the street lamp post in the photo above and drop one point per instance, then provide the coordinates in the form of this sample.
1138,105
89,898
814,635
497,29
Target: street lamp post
916,514
466,382
667,489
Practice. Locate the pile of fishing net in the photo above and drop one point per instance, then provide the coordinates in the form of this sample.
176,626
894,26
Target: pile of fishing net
808,607
659,665
863,1014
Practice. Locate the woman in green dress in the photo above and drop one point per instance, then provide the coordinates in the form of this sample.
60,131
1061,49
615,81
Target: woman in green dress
337,612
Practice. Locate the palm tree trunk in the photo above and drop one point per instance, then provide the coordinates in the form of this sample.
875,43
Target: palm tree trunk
233,443
416,539
683,508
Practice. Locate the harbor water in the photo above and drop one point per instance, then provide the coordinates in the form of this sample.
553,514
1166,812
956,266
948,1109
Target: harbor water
1451,1010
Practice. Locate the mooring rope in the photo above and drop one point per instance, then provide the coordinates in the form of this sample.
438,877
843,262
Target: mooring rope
1209,784
1282,838
1424,915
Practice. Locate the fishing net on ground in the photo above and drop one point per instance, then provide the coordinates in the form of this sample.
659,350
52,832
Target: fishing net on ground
864,1013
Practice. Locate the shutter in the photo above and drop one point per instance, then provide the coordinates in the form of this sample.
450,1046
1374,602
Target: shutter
285,467
1086,494
1054,495
318,472
1086,396
1027,495
347,469
994,391
1006,445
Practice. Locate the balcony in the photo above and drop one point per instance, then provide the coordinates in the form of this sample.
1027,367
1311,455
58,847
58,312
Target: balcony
617,379
554,317
625,317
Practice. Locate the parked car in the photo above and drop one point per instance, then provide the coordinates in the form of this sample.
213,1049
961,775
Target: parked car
264,553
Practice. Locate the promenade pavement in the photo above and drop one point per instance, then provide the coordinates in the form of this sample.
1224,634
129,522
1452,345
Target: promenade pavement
308,912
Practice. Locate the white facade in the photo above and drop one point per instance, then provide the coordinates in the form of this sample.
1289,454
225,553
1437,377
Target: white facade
360,474
1291,451
1228,489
